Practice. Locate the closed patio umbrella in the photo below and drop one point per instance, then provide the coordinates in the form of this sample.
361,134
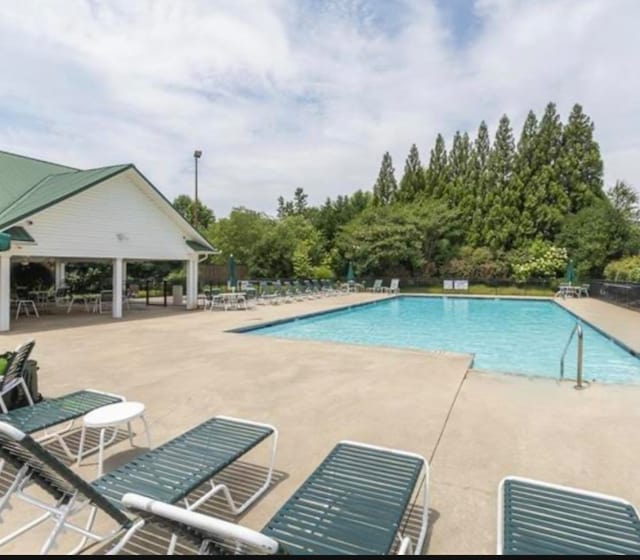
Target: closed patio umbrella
570,273
350,275
233,280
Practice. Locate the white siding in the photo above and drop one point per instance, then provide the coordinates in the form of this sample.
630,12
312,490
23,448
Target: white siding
122,217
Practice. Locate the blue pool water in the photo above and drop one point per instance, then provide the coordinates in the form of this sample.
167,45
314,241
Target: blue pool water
512,336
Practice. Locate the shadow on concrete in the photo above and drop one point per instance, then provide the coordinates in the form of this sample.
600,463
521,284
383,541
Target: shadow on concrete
59,319
243,479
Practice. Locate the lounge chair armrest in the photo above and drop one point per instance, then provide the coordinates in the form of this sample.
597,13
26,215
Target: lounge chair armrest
405,548
114,395
208,525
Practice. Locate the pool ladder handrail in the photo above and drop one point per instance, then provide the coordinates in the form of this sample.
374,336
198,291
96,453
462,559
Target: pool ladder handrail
576,329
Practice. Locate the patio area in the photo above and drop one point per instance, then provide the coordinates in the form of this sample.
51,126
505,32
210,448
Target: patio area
474,428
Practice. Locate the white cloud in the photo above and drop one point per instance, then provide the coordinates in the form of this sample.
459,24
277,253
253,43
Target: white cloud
285,94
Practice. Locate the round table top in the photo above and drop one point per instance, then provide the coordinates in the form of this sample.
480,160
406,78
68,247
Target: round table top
113,414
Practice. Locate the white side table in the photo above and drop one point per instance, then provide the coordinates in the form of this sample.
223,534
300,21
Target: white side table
111,416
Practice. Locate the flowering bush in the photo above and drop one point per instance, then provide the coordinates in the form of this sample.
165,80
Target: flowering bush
539,260
627,269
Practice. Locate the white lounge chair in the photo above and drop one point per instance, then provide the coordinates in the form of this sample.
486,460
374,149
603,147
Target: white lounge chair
393,287
377,286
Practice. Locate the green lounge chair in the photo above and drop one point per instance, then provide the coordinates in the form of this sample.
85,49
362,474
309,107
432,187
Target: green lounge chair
536,517
169,473
353,503
60,410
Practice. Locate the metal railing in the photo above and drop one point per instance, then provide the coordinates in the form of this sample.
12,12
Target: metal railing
577,329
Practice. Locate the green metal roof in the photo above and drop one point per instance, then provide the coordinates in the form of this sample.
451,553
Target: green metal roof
18,233
29,185
200,248
53,189
19,173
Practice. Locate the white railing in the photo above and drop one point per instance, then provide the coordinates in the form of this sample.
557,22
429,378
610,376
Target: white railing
577,329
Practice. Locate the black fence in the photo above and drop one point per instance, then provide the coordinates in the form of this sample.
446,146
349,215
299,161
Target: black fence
626,294
485,285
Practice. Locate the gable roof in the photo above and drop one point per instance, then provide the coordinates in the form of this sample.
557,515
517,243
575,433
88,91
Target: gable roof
20,173
53,189
30,185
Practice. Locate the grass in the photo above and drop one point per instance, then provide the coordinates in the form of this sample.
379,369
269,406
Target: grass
483,289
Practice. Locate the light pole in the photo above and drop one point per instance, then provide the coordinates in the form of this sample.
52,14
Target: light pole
196,157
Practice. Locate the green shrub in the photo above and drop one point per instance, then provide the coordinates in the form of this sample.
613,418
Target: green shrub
540,260
626,270
178,276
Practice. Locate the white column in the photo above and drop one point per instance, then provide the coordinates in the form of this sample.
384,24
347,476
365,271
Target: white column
192,283
60,272
5,292
117,288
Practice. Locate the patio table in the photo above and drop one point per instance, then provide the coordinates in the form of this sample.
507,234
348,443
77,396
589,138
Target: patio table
232,299
87,299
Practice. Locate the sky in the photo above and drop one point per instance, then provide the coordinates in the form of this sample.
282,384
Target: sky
304,93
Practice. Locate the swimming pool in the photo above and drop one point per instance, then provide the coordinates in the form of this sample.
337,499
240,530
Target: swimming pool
505,335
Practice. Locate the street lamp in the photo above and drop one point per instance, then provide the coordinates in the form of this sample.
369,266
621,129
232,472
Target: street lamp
196,157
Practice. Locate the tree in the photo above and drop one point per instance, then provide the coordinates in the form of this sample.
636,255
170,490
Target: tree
525,168
385,188
300,200
459,170
545,191
476,201
238,234
437,174
184,205
332,215
595,235
580,162
396,236
413,182
285,208
290,247
502,195
625,200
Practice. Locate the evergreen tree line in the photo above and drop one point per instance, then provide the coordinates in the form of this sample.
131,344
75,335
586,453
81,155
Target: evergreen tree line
506,193
484,207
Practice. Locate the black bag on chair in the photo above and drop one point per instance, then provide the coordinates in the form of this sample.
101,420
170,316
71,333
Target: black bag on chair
31,379
16,397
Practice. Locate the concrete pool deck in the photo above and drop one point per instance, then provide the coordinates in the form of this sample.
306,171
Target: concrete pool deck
474,427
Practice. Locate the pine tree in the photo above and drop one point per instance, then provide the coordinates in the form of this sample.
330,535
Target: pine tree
523,176
385,188
502,198
436,174
580,161
546,181
459,170
413,183
479,160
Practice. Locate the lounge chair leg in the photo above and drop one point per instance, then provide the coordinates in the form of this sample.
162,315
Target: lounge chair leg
238,509
147,431
25,528
5,500
126,538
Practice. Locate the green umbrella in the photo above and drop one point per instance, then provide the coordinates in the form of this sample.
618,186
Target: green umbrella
5,242
350,275
570,273
233,280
